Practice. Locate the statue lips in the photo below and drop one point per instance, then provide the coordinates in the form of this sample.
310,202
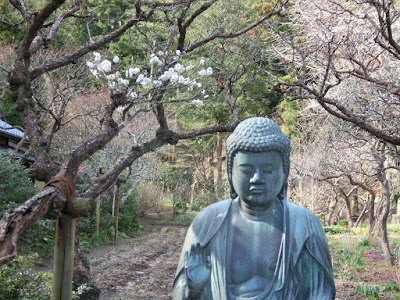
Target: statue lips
257,190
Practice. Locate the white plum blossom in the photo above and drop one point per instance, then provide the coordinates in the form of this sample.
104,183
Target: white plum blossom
181,79
197,103
174,77
110,77
145,82
165,76
154,60
132,71
90,64
157,83
97,56
132,95
202,72
94,72
111,85
179,68
140,78
104,66
124,82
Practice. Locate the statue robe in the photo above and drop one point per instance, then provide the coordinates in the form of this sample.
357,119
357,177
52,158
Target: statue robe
303,269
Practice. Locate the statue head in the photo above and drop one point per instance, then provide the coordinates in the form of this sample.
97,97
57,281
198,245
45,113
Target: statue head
258,135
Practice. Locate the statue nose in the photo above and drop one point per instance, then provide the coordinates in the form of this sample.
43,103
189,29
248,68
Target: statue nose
257,177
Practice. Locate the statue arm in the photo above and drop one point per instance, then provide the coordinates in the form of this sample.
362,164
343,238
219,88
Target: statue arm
314,266
314,282
191,263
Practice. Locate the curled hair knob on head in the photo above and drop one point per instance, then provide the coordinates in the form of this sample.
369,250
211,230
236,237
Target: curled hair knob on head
257,135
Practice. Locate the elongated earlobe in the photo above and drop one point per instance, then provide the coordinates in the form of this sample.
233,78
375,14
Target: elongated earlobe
282,194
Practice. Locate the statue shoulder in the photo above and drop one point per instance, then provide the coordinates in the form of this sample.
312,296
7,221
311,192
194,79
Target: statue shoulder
302,220
208,221
299,211
215,210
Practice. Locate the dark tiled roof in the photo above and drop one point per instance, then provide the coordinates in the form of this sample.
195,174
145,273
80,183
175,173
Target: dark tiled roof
7,129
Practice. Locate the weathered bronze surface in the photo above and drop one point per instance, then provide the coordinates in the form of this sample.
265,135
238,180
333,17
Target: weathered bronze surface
255,245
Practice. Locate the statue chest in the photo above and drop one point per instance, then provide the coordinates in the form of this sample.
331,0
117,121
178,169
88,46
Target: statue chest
252,249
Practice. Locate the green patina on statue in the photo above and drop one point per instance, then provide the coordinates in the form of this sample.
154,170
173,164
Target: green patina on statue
255,245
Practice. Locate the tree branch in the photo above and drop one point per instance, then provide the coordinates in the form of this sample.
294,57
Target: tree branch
230,35
81,52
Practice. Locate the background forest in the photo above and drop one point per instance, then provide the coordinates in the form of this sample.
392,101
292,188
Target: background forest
125,107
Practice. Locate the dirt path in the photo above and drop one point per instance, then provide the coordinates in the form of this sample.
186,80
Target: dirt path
142,267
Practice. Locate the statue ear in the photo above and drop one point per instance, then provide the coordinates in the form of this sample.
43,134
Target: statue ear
282,194
233,192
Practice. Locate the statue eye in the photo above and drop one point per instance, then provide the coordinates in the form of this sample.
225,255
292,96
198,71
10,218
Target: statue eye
267,171
246,170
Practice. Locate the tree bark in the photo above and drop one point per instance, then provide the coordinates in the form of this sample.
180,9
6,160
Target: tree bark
380,228
331,213
346,197
219,158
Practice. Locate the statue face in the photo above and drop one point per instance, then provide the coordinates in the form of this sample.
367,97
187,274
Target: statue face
258,177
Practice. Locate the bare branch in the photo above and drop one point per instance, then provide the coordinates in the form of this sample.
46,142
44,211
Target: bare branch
230,35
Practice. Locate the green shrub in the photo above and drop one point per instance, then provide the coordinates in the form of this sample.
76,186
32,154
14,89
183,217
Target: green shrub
372,291
343,223
184,220
360,230
15,185
336,229
127,223
391,286
18,280
364,243
393,229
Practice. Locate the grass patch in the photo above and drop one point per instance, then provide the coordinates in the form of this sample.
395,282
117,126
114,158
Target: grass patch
372,291
184,219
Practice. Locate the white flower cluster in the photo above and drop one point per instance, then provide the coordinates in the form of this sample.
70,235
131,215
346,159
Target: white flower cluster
197,103
174,75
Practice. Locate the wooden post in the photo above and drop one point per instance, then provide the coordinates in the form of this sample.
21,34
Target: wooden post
117,212
64,248
98,215
64,257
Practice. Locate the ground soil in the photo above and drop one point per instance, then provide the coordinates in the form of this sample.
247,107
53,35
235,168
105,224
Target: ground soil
142,267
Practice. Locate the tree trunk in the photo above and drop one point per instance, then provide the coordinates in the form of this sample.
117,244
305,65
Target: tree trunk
211,179
360,217
348,211
382,213
218,184
371,214
331,213
346,197
82,273
117,212
381,220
